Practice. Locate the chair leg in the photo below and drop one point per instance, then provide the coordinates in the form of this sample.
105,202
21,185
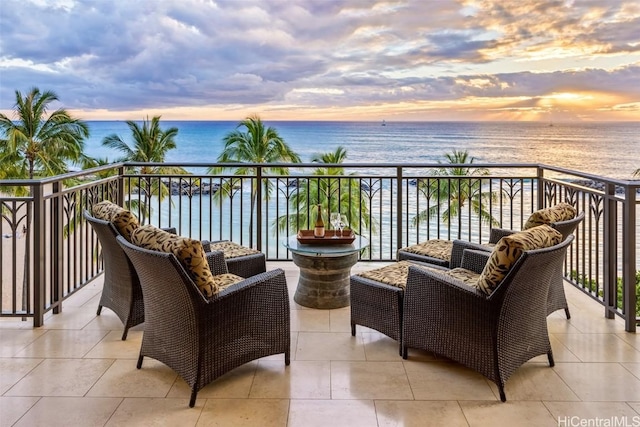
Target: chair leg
99,310
503,397
287,358
353,329
194,394
550,357
404,351
566,312
124,334
139,365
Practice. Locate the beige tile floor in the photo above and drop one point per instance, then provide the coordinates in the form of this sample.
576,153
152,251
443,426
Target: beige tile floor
75,371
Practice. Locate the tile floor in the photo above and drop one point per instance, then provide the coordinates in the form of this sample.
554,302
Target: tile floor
75,371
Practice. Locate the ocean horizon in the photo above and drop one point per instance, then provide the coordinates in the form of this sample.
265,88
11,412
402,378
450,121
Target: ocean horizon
599,148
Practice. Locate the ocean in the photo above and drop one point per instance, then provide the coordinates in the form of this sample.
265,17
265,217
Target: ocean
606,149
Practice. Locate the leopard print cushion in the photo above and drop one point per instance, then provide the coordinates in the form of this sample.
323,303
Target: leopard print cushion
188,251
434,248
509,249
124,221
559,212
233,250
223,281
467,276
396,274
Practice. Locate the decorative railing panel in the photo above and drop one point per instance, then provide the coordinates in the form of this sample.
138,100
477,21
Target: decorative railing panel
49,252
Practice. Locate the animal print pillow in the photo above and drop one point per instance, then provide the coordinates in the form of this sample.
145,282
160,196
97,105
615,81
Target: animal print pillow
559,212
124,221
188,251
509,249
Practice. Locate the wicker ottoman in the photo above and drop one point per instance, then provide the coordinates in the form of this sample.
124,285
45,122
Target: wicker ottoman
377,299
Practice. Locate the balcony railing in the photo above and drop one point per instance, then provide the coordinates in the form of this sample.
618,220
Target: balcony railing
49,252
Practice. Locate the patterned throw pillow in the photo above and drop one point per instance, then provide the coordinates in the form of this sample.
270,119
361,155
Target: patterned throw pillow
124,221
188,251
510,248
559,212
434,248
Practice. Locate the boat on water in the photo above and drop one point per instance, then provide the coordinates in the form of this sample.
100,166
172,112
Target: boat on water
384,123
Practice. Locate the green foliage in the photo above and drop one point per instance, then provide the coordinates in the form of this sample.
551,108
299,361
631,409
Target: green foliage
592,286
450,196
256,144
340,194
35,143
150,145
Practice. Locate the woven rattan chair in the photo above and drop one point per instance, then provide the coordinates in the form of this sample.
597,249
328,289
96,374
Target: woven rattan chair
202,339
378,306
121,291
494,334
557,297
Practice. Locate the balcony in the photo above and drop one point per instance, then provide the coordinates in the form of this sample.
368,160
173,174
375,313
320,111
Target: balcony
58,359
75,370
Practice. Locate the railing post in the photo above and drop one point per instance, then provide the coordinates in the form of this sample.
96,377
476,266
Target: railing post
259,201
38,260
609,247
399,213
629,258
57,242
540,189
120,190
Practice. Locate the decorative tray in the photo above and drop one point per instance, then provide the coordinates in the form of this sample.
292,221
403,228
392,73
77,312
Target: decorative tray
307,237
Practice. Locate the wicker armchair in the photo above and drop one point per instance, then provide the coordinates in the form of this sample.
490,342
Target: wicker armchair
121,291
557,298
378,306
202,339
494,334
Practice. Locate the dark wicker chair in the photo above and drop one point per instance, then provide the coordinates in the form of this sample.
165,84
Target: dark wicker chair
203,339
557,298
493,335
121,291
378,306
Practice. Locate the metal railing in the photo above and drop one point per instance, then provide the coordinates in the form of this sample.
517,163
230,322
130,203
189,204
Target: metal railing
49,252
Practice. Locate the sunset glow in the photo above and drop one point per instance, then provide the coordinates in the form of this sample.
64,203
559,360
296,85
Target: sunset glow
327,60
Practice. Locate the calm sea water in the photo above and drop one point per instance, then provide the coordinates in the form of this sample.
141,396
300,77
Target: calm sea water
607,149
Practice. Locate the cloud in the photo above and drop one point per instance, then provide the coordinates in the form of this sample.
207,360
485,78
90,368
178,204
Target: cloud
269,54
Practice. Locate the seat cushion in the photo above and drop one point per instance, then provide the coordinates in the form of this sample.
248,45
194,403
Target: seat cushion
434,248
559,212
396,274
124,221
188,251
509,249
232,250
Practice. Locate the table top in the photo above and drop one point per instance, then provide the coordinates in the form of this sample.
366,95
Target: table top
325,250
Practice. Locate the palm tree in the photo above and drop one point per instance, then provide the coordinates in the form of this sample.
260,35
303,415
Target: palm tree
150,145
37,144
256,144
333,194
452,195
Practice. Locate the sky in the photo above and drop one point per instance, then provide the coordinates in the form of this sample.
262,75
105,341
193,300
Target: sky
418,60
